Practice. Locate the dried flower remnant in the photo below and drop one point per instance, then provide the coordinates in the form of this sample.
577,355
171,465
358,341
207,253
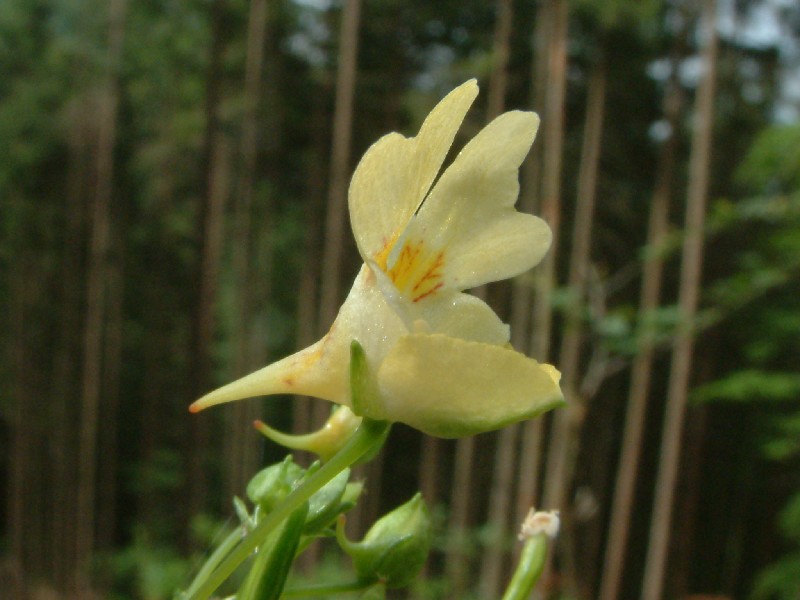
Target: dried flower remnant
546,522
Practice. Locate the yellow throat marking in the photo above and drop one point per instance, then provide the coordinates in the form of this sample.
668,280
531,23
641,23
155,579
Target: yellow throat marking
418,270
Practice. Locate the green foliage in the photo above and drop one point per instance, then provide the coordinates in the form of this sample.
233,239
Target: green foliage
779,581
751,385
763,292
615,13
784,442
148,571
773,163
332,570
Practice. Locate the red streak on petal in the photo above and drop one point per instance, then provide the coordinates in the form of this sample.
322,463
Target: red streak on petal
431,273
428,293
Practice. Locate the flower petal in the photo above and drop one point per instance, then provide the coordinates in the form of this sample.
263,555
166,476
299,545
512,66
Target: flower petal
470,212
449,387
396,173
464,316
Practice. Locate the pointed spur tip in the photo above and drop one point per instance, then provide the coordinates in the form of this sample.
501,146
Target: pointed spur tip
196,407
206,401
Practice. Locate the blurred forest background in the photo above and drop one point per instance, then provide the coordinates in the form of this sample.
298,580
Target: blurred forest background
173,179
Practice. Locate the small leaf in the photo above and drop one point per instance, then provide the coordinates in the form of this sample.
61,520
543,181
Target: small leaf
324,506
750,385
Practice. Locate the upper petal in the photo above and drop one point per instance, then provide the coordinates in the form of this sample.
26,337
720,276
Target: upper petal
464,316
450,387
470,215
396,173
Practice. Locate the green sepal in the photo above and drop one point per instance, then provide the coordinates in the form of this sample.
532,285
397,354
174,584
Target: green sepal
241,511
377,448
395,548
273,484
351,494
364,396
360,388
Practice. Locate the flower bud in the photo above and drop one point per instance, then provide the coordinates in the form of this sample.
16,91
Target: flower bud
324,442
271,485
396,546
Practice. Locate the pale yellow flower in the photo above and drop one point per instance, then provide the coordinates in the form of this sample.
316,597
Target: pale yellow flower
439,359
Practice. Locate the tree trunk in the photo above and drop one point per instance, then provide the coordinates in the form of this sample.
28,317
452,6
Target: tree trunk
553,141
215,166
429,469
109,413
502,486
429,474
522,293
691,275
308,329
630,453
240,463
92,373
333,247
336,210
565,433
550,210
501,50
456,562
308,308
694,439
205,319
66,365
22,437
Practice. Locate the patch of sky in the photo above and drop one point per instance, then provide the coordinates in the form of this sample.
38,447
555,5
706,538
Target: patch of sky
307,43
437,62
660,131
758,25
763,25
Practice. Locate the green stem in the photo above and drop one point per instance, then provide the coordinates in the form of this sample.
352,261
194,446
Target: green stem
326,589
363,440
222,550
529,569
274,559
